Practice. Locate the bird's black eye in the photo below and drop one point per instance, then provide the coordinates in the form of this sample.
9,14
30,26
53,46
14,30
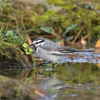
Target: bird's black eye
39,41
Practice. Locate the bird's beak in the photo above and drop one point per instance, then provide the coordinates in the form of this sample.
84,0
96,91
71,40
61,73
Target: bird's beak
31,45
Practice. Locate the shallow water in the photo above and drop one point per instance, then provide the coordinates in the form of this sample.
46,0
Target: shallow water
78,81
83,81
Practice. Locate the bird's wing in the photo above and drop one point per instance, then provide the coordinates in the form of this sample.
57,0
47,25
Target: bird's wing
58,51
54,49
63,50
49,45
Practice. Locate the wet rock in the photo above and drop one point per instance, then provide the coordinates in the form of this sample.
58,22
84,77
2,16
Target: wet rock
11,89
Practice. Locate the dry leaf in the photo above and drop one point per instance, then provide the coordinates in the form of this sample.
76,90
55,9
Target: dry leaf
61,43
97,47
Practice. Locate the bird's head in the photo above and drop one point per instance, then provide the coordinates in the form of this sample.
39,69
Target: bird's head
38,42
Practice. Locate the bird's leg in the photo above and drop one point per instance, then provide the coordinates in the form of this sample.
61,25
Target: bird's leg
41,73
41,64
54,65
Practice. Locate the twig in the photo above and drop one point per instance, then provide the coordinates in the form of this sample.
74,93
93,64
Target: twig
21,61
78,34
27,73
29,40
37,88
42,63
23,72
57,35
9,23
26,58
83,38
45,36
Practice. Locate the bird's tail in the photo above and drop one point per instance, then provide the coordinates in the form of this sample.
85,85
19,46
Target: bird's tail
72,51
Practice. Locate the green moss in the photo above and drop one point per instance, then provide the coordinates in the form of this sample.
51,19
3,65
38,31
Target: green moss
8,50
37,16
56,2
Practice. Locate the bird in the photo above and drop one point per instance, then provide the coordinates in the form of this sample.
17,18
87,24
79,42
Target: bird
49,50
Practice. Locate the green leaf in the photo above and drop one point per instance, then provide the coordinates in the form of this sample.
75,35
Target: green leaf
92,7
69,28
1,35
48,30
86,7
9,33
26,48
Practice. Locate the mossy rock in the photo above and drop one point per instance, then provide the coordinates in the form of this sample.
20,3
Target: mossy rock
11,88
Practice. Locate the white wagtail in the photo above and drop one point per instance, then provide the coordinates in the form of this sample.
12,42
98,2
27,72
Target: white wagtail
49,50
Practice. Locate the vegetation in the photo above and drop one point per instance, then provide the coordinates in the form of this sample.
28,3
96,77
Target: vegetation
12,45
31,18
